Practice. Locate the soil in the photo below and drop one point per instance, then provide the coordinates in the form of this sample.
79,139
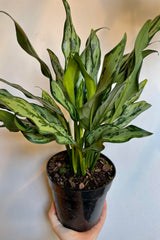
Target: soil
61,174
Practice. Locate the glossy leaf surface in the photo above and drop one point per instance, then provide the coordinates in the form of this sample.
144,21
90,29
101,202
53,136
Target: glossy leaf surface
70,78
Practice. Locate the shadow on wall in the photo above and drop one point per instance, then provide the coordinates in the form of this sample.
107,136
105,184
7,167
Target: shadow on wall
129,10
128,16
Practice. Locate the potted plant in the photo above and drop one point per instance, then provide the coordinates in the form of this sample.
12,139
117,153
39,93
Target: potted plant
100,111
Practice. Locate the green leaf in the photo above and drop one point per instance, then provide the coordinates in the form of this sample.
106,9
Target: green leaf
96,147
3,106
60,97
107,105
79,95
110,133
90,84
56,66
130,113
70,78
142,39
24,109
128,63
51,105
154,27
5,93
131,86
110,68
24,125
84,114
97,134
126,68
111,65
26,45
45,114
147,52
71,41
61,117
135,97
91,56
125,134
130,100
47,98
8,120
38,138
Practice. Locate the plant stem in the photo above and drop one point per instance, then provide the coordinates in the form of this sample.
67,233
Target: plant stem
69,153
74,160
88,157
94,162
82,162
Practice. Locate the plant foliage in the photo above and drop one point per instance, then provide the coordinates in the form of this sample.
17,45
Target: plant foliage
100,109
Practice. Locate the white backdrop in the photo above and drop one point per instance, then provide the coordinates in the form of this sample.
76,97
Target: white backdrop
134,198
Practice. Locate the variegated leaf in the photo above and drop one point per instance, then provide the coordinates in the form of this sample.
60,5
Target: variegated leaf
24,125
46,114
131,86
107,106
59,72
60,97
96,147
154,27
38,138
22,108
130,100
125,134
51,105
111,65
91,56
71,41
130,113
61,117
110,133
136,96
128,63
110,68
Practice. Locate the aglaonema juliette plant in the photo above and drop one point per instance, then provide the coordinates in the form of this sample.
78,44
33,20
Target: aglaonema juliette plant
101,109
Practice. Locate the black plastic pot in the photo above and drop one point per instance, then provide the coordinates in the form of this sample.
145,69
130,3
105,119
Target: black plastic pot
79,210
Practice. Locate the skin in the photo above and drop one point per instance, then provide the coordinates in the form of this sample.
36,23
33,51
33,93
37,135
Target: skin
68,234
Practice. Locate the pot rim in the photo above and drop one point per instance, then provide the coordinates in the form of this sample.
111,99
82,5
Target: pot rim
81,190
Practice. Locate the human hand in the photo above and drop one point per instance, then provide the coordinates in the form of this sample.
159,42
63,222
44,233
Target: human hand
67,234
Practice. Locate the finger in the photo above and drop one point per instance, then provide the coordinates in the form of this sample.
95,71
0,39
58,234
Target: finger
103,214
53,218
62,232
